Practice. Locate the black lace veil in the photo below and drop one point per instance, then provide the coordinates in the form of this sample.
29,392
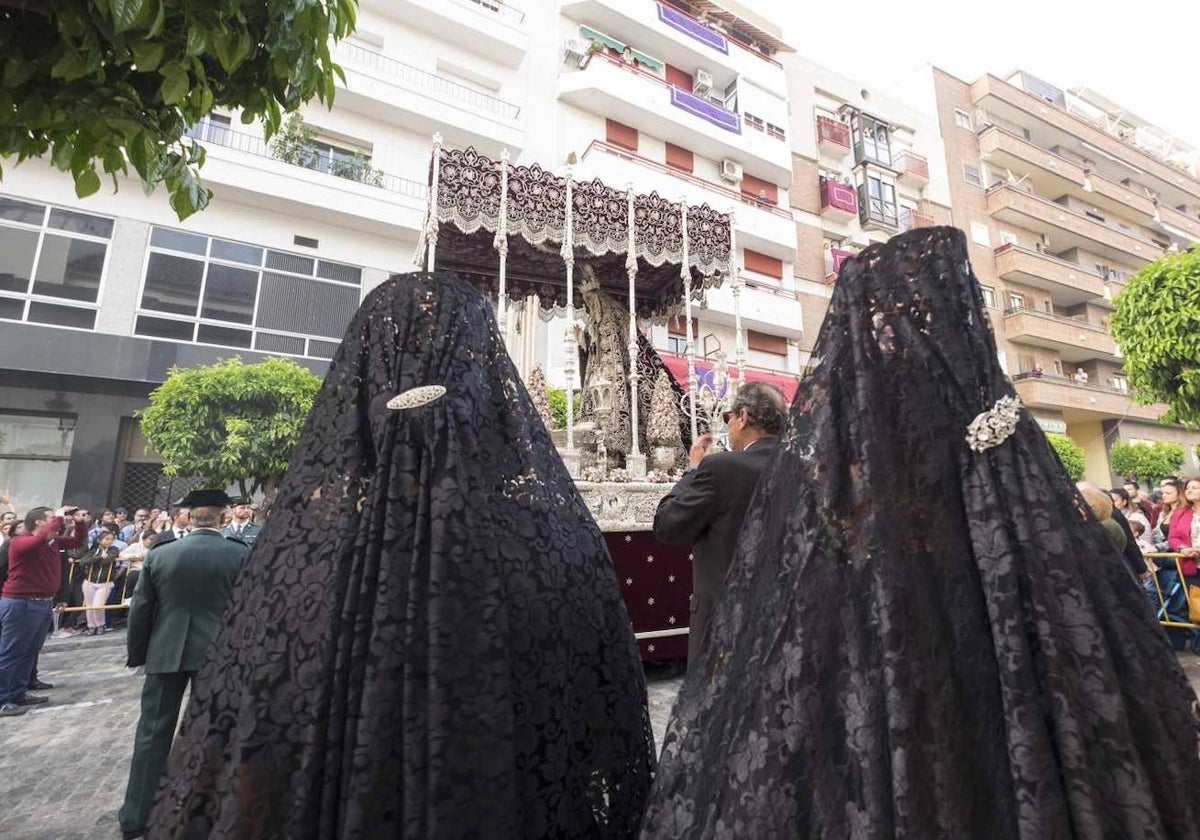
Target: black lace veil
918,640
428,639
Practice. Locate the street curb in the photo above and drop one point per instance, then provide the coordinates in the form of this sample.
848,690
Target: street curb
72,643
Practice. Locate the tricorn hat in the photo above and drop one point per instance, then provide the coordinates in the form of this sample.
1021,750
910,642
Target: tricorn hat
205,498
240,500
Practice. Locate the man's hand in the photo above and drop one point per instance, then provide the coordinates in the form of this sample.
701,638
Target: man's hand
701,448
62,511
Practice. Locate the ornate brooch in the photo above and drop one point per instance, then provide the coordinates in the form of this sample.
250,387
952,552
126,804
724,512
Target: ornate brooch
993,427
415,397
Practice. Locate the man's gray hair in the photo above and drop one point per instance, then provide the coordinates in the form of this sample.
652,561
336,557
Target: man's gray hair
765,405
206,517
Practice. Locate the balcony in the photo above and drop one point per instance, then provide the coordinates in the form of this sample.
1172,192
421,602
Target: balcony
1075,340
1066,227
679,39
1081,402
838,201
417,100
913,219
1016,106
912,169
1185,224
489,27
1067,283
834,259
765,306
636,97
240,166
833,137
765,228
1052,174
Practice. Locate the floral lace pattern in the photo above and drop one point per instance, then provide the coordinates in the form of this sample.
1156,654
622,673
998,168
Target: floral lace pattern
917,640
428,639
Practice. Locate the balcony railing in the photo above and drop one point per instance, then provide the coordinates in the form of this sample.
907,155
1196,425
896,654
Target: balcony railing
832,135
632,157
1062,319
912,167
678,19
216,134
422,80
838,200
912,219
683,99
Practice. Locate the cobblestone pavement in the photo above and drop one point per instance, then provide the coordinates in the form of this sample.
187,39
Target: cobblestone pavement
63,765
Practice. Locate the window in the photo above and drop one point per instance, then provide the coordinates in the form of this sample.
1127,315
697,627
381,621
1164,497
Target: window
763,264
989,296
872,140
215,128
1048,305
680,158
679,78
35,451
1119,383
677,344
754,122
621,135
232,294
53,258
759,190
972,175
677,338
1016,301
877,202
962,119
766,343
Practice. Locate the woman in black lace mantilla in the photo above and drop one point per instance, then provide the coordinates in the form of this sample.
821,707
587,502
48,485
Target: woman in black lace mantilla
428,640
879,666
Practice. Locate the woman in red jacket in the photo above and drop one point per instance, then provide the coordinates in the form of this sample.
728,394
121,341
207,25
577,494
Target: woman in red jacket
1184,534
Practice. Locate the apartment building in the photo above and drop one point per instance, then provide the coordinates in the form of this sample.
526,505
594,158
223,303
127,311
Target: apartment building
864,168
100,297
1063,195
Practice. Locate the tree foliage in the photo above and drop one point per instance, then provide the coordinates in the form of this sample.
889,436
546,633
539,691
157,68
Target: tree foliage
558,405
1157,325
229,422
1070,454
1150,461
99,85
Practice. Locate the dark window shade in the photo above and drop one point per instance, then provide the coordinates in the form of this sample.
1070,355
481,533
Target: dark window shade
229,294
177,240
679,78
322,349
680,158
84,223
340,272
765,343
279,344
164,328
292,304
226,337
677,325
172,284
70,268
236,252
12,310
61,316
22,211
17,248
290,262
621,135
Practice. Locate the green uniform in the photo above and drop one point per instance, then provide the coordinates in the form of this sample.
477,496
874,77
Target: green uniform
176,609
247,533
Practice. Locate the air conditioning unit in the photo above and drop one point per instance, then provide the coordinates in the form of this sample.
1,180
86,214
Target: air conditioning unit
731,171
702,84
575,50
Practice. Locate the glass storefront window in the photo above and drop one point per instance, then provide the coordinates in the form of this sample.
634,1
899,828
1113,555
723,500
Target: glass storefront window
35,451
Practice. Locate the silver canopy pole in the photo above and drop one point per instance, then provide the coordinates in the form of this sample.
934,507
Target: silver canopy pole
501,244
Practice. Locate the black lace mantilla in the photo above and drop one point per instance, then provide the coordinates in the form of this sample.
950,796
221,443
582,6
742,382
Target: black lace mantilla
428,639
917,640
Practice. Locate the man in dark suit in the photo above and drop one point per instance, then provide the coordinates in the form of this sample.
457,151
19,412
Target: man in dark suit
706,507
180,523
181,594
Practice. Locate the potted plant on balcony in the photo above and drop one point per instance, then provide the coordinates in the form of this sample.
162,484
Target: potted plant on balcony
357,168
294,143
666,443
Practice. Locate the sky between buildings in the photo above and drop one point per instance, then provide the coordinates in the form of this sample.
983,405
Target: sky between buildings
1143,54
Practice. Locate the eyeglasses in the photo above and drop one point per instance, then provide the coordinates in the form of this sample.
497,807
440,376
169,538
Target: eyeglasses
728,415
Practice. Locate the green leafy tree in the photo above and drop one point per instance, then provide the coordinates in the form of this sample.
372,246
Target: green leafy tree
1157,325
1070,454
1151,461
231,423
99,85
558,405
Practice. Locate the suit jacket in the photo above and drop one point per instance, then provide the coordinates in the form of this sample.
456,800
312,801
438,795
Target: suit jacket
180,596
163,537
705,509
